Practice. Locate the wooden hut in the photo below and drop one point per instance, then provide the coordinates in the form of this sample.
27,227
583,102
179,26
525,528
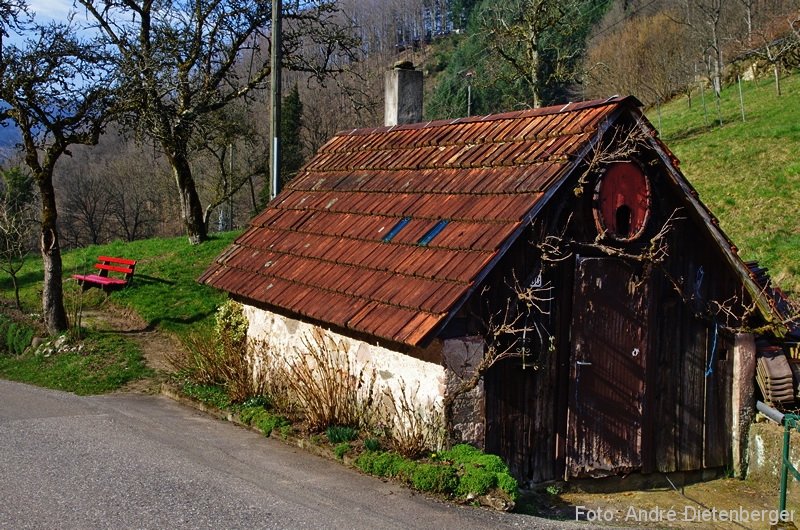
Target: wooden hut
557,252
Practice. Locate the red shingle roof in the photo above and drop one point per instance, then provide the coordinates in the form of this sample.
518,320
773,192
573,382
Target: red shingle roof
318,250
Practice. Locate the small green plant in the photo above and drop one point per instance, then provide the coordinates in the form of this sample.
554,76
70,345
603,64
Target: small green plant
286,430
340,433
15,337
264,420
385,464
257,401
372,444
435,478
341,450
553,489
209,394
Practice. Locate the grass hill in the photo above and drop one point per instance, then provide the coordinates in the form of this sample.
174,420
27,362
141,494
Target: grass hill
165,291
747,172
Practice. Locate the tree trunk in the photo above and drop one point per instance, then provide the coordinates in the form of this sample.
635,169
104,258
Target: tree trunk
191,209
16,290
55,317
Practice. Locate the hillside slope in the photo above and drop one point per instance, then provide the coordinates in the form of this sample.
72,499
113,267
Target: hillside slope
748,173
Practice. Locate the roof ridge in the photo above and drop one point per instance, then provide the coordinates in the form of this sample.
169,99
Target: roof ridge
516,114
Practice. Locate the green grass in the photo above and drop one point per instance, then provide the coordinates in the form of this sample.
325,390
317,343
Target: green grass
462,471
747,173
105,363
15,337
164,291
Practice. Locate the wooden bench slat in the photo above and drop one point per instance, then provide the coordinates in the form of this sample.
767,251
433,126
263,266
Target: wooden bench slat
112,259
105,265
103,280
114,268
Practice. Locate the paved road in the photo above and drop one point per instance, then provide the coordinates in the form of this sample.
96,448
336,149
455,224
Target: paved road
136,461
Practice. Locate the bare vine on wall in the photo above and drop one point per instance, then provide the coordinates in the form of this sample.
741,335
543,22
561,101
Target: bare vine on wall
504,335
623,144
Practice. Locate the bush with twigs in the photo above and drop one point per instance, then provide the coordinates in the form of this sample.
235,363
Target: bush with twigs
222,357
412,429
327,387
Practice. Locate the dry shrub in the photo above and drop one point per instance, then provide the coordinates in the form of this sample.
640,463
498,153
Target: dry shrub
413,431
271,368
325,385
222,357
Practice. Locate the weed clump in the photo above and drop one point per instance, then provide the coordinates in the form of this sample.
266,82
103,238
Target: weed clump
385,464
326,385
434,478
464,472
480,472
222,357
341,450
340,433
264,420
14,337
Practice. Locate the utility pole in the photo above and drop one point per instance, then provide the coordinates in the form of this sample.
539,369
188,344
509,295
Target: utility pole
275,107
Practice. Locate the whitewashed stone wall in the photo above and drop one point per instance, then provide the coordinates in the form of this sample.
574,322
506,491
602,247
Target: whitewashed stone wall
424,383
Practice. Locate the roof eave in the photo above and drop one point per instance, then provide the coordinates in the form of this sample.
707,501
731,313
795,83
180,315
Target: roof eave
767,311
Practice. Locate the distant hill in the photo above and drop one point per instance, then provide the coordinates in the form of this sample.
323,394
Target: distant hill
9,136
747,172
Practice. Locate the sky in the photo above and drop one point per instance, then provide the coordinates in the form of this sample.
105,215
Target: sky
51,9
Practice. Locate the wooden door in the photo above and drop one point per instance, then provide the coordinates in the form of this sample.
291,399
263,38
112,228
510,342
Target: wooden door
607,372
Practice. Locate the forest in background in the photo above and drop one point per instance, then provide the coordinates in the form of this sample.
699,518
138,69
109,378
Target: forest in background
478,57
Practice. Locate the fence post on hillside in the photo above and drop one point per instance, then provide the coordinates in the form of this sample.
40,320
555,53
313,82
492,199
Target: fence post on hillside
658,110
741,96
703,99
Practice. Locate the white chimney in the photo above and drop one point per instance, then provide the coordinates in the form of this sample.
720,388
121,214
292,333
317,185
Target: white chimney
403,95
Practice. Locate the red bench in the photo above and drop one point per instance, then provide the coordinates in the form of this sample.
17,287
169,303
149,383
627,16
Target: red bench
102,280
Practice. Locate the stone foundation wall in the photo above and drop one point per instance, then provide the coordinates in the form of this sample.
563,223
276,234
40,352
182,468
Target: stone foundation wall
765,451
461,357
423,383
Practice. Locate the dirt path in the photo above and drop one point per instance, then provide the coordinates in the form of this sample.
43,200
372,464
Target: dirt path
157,346
725,503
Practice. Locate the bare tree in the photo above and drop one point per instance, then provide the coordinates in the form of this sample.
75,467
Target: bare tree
648,56
182,60
517,32
707,21
776,39
56,88
232,153
16,227
133,200
86,206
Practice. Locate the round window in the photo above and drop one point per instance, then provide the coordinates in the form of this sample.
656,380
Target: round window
622,201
